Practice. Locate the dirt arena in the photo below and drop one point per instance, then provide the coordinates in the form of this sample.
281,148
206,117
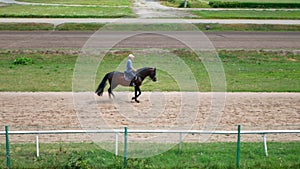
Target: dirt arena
169,111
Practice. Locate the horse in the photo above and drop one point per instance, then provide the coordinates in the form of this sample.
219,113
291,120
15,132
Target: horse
116,78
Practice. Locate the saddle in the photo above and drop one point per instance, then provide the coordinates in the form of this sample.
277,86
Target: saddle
128,77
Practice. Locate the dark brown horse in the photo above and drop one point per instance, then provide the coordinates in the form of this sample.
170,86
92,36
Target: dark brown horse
117,78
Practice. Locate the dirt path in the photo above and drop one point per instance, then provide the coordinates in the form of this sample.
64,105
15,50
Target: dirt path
220,40
56,111
153,9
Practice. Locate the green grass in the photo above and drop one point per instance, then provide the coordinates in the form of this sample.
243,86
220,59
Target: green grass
245,71
34,11
145,27
262,72
26,26
84,2
79,27
247,14
193,155
247,27
49,72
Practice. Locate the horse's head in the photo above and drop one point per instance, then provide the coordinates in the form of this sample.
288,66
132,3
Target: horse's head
147,71
153,74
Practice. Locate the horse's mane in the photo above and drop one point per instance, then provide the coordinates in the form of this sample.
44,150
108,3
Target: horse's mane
142,69
142,72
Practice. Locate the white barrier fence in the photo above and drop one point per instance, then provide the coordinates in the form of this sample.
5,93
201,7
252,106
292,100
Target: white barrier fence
180,132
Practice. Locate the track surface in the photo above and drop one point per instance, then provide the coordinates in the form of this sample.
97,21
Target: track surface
56,111
228,40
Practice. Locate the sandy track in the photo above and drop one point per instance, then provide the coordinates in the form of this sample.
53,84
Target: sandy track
50,110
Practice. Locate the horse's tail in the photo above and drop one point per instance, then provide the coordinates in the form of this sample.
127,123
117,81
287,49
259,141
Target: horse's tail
101,86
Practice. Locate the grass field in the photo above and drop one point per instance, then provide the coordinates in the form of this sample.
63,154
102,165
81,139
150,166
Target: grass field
83,2
247,14
106,11
150,27
245,71
193,155
247,27
26,26
34,11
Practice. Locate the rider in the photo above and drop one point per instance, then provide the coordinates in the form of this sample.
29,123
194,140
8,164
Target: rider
130,70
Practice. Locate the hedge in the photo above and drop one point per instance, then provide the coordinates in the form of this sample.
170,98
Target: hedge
226,4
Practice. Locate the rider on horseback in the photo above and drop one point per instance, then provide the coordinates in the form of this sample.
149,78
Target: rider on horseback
130,70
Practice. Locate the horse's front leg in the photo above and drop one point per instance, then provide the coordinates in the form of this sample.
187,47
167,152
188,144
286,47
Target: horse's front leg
137,93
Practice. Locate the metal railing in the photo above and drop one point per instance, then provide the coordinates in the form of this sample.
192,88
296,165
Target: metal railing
180,132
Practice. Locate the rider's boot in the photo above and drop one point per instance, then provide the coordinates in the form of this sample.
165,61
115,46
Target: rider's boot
132,83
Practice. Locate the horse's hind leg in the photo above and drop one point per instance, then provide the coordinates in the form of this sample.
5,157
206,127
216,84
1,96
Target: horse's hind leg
110,90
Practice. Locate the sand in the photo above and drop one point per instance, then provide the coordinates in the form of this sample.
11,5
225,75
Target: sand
157,110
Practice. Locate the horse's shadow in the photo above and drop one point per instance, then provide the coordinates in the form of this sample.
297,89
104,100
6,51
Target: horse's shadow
111,100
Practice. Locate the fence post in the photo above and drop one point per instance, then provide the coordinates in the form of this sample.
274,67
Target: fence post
265,144
116,143
238,147
125,147
180,141
37,145
7,148
185,3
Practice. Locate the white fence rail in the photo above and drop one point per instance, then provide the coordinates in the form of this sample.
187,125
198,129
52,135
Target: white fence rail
180,132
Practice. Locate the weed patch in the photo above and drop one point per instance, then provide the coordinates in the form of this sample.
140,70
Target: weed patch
23,61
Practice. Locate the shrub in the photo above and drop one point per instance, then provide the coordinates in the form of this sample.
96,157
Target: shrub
188,4
76,160
172,1
23,61
236,4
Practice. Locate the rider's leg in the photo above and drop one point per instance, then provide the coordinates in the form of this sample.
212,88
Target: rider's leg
132,82
133,79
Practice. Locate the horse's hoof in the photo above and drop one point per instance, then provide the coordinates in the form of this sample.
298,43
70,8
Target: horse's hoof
137,101
133,98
